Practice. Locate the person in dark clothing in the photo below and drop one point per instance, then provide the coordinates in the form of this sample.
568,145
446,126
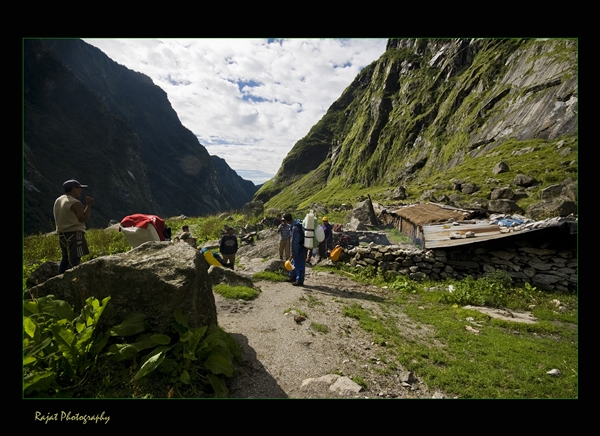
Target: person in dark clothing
298,251
276,222
327,243
228,246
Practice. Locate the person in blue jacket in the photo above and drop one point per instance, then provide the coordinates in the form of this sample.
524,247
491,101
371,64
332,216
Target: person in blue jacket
298,251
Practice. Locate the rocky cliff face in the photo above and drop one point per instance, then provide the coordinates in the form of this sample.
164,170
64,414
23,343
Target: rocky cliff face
89,118
431,110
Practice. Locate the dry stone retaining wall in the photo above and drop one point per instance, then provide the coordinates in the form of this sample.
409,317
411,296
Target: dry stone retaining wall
548,266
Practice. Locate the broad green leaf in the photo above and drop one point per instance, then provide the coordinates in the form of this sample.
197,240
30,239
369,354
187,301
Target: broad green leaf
127,351
39,347
99,344
29,326
65,340
218,364
131,325
58,309
179,328
194,338
185,377
30,307
153,361
218,386
38,381
29,359
180,317
160,339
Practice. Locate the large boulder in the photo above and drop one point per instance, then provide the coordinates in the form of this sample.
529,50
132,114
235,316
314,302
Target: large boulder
560,206
366,212
153,279
504,206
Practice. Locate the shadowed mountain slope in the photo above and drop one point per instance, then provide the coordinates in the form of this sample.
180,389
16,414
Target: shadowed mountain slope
89,118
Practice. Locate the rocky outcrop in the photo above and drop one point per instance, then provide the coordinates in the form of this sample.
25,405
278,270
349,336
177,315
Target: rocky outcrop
427,107
152,279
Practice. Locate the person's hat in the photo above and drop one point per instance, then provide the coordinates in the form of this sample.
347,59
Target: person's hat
288,265
325,218
73,184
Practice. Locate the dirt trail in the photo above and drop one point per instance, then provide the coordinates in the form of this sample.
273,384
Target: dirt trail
280,353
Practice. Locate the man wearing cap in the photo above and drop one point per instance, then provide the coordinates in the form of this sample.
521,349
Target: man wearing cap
69,216
327,243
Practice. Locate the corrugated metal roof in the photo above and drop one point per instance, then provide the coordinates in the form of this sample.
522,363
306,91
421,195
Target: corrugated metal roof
438,236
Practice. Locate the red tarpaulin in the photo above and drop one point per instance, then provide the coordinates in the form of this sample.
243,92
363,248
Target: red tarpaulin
142,221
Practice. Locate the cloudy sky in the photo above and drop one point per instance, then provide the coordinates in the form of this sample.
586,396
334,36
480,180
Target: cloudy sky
247,100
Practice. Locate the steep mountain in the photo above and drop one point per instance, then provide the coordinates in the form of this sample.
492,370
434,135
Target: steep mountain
431,115
89,118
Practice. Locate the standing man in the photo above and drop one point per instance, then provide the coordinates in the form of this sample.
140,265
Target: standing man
69,216
327,243
298,251
228,247
276,221
285,234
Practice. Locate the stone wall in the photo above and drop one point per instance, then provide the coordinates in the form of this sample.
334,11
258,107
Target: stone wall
548,262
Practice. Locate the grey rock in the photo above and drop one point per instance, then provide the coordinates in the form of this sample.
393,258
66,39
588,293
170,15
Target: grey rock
504,206
469,188
551,192
570,191
560,206
502,193
152,279
524,180
500,167
45,271
221,275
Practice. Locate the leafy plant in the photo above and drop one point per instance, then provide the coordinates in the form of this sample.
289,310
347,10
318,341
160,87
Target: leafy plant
198,360
494,290
60,349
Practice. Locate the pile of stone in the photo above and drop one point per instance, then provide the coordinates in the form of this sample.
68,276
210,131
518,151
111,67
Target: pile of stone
543,268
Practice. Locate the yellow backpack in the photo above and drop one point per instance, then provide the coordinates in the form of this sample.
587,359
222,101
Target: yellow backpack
335,254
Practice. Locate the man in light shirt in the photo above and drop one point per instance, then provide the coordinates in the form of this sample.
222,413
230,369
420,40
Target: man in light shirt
70,217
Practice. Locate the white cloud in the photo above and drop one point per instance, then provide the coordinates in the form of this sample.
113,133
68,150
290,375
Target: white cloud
286,87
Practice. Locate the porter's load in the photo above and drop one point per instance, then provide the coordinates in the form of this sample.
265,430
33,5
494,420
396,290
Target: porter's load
139,228
309,227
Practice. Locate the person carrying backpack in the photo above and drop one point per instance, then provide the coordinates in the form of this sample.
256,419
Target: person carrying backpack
298,251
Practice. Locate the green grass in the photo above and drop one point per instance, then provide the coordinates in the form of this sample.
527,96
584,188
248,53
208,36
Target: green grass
311,301
300,312
269,276
504,360
321,328
236,292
